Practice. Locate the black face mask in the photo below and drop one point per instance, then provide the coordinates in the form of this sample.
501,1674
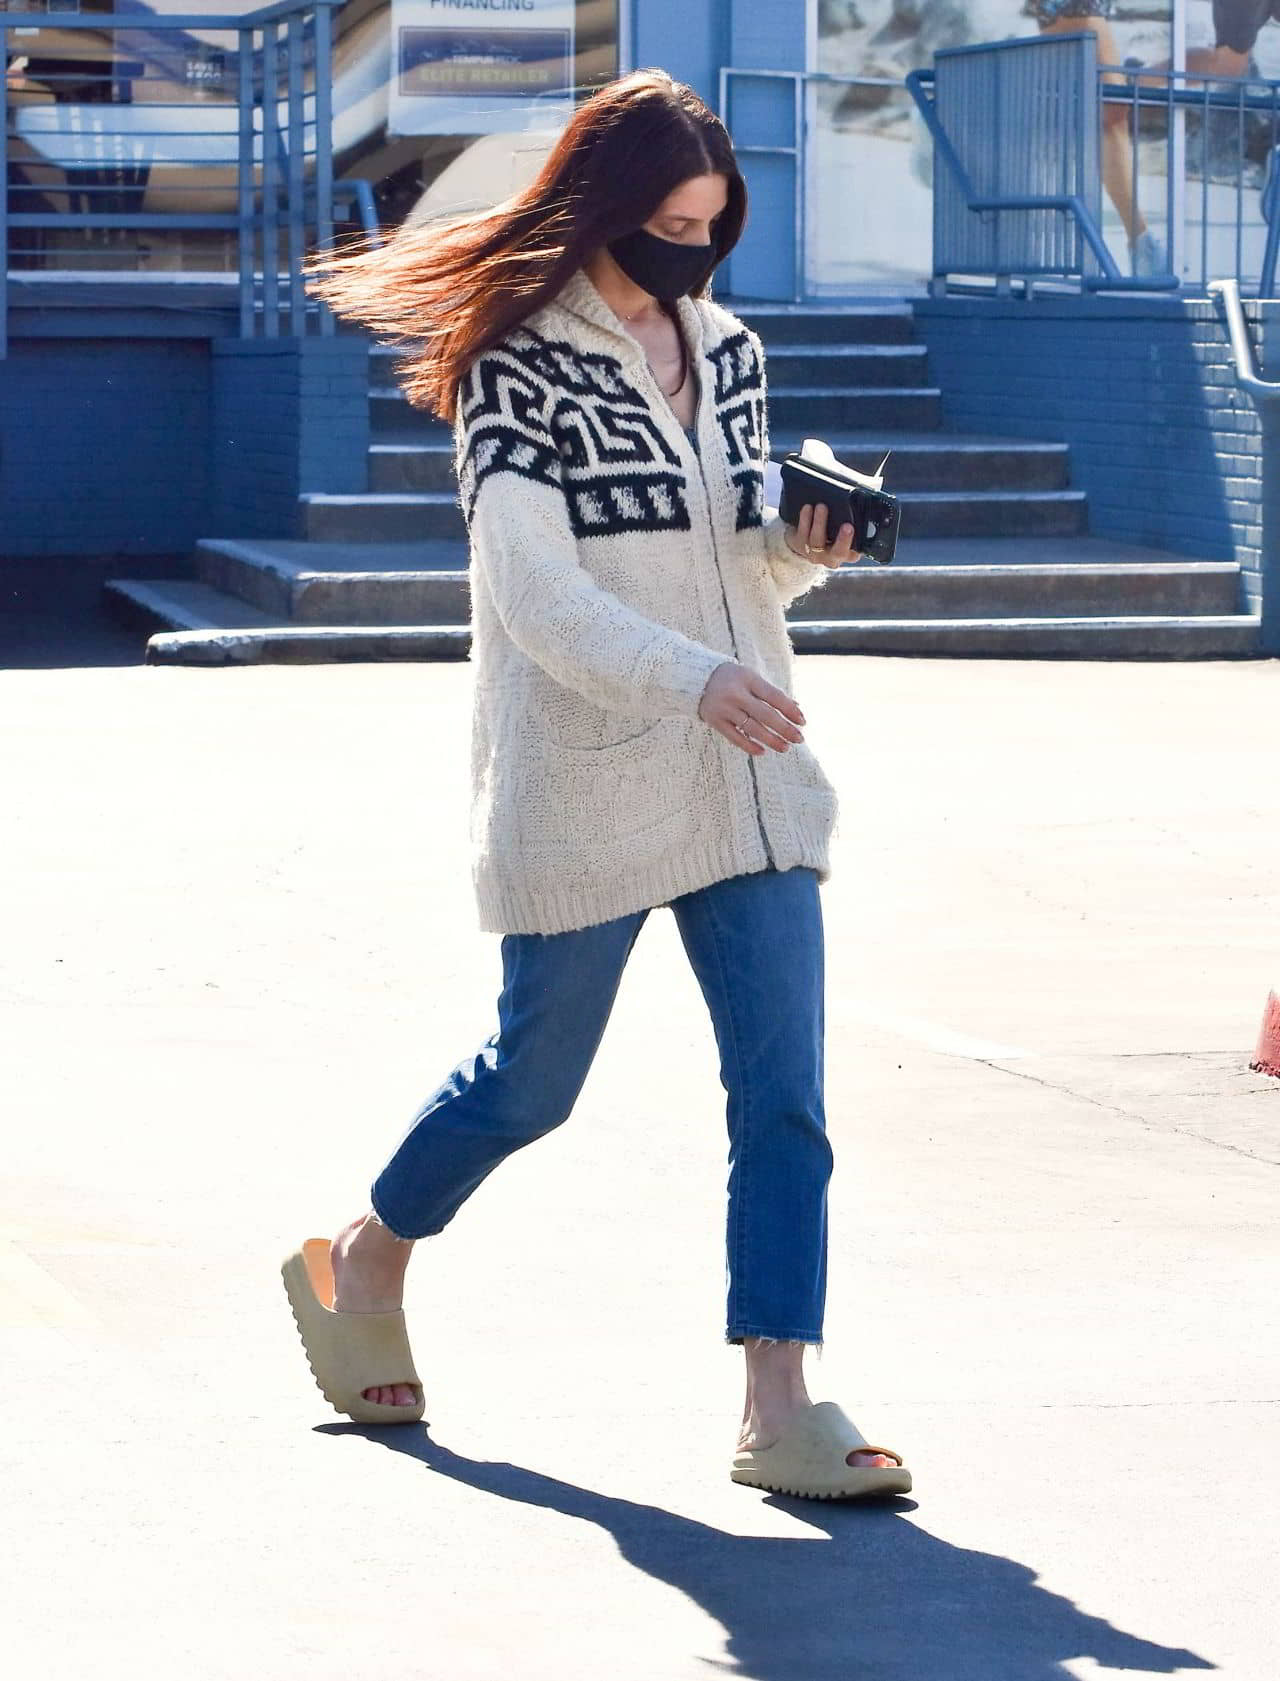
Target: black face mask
662,267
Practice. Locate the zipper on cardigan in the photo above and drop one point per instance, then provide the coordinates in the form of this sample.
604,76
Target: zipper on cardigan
724,596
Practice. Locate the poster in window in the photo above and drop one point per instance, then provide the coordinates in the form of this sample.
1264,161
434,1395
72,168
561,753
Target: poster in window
871,160
460,67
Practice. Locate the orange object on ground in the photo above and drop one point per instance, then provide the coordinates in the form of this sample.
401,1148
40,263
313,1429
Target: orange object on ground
1266,1059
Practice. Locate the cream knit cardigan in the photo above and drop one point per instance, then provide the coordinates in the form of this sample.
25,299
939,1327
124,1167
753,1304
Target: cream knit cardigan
613,568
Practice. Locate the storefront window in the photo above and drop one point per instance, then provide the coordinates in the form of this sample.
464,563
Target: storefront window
871,159
437,104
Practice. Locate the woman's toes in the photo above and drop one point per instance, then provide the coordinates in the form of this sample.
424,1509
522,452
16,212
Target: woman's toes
392,1394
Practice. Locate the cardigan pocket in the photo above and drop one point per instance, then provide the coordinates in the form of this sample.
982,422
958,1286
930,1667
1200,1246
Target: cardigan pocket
649,790
572,724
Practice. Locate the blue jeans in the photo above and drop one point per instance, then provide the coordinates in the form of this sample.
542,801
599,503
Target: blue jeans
756,946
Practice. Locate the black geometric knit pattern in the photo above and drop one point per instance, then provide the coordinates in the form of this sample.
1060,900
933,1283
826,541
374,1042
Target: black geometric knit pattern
500,403
739,408
599,441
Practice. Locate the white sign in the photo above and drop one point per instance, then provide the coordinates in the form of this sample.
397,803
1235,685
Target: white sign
475,66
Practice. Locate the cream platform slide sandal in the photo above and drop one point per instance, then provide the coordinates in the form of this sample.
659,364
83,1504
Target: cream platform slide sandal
810,1459
348,1352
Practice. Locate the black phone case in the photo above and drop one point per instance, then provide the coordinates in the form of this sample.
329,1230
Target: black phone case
874,515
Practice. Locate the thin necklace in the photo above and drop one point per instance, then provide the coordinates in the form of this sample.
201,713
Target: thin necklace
684,372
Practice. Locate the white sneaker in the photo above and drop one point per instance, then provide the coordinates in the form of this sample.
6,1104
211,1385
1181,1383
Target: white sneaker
1147,255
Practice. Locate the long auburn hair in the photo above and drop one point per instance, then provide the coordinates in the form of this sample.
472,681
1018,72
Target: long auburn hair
453,287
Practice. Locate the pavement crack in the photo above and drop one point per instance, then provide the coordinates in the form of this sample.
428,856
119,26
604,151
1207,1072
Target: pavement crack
1135,1115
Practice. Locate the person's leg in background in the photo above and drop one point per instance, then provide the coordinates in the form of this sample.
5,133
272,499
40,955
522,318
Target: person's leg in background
755,943
1068,17
557,994
1236,24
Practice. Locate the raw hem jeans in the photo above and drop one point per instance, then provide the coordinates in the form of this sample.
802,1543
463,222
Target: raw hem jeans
755,943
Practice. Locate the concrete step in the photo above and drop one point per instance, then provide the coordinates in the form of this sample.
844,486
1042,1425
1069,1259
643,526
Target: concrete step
949,614
941,460
309,645
191,623
867,591
150,604
424,465
818,409
928,461
392,415
779,324
400,516
406,583
1225,637
1142,636
843,365
788,324
796,407
385,516
341,583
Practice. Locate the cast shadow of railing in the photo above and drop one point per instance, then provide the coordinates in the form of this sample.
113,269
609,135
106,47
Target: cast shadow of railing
876,1598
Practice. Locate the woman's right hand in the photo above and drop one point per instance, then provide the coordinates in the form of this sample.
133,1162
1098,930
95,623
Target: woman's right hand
748,711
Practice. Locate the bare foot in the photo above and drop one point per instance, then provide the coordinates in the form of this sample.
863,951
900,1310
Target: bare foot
368,1277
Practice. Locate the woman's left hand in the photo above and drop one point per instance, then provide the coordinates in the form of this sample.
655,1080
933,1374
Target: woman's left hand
808,538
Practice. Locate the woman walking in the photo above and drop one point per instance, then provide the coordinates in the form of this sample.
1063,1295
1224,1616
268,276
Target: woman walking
1067,17
635,744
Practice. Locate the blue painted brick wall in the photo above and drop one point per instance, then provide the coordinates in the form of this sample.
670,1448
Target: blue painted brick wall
289,415
104,446
122,445
1164,444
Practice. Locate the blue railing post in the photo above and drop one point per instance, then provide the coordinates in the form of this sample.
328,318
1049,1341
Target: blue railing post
322,77
244,180
270,187
297,161
266,176
4,189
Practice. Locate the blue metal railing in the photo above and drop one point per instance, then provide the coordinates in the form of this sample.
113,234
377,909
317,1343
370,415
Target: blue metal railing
1220,130
1016,126
1017,137
248,158
1223,131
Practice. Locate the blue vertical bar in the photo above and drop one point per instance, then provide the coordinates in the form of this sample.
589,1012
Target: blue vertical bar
270,184
244,167
4,192
1134,158
1204,185
800,182
1239,181
324,142
997,141
1271,214
296,207
1172,166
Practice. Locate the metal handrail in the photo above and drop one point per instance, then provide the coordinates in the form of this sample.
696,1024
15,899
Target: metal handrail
280,151
1265,395
361,195
1248,375
1068,204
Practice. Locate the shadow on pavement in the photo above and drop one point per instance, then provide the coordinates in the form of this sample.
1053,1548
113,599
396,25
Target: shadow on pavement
874,1597
53,615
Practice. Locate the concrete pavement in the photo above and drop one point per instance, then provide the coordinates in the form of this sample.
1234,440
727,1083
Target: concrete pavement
239,947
